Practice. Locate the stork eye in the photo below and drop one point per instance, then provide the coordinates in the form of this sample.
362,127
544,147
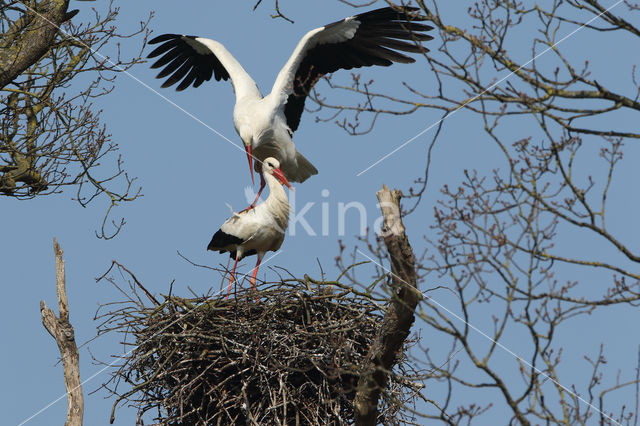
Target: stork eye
270,164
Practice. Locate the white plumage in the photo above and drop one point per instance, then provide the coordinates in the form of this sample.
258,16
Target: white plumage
257,230
266,124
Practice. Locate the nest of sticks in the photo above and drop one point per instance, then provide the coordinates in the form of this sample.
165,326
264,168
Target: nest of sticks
291,358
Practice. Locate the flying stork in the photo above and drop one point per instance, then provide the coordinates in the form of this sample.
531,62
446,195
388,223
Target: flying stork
257,230
266,123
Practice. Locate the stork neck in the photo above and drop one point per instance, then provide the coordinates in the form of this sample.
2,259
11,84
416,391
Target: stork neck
276,190
277,202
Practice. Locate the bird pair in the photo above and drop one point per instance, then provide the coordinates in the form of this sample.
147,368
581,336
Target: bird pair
266,123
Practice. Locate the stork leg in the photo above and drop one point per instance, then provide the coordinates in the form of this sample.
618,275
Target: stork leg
232,278
263,183
255,273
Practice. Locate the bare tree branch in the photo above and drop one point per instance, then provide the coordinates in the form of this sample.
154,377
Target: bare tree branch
277,14
62,331
399,315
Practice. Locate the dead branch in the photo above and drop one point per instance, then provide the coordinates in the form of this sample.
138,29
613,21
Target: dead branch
62,331
399,315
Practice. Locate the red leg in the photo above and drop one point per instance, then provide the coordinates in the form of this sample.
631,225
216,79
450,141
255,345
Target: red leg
232,278
263,183
253,276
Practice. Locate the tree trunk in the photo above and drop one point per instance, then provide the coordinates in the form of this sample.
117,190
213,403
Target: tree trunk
30,37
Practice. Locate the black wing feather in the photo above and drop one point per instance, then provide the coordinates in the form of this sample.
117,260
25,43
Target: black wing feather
399,45
396,33
169,57
179,74
161,38
223,242
164,47
172,67
190,78
182,62
375,42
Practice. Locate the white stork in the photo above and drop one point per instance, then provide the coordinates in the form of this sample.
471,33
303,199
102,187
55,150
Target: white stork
266,124
257,230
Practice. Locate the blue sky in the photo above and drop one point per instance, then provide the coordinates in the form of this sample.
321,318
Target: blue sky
188,173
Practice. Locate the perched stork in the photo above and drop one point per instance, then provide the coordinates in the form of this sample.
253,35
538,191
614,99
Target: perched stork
266,124
257,230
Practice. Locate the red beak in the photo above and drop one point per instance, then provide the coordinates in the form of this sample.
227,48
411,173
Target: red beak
280,176
249,150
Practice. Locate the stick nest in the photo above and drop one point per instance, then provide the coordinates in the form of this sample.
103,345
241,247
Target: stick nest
292,358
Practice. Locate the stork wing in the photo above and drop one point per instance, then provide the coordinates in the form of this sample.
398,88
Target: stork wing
195,60
371,38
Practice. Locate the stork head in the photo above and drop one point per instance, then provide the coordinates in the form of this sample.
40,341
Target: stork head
271,166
